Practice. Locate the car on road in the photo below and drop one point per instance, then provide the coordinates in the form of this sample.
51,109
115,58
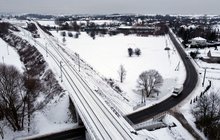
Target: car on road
177,90
187,57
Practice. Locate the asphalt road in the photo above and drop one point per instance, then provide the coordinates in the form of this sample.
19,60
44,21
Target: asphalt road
188,86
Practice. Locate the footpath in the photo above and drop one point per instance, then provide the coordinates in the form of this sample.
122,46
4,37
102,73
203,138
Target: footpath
185,124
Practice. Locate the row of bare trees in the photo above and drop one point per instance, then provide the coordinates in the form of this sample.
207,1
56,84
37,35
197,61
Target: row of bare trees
18,93
137,51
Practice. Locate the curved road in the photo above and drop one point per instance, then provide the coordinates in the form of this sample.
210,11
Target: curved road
188,86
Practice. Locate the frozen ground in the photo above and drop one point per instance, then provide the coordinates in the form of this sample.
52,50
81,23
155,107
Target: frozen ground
106,54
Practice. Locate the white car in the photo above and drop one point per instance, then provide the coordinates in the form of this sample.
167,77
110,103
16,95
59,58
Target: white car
177,90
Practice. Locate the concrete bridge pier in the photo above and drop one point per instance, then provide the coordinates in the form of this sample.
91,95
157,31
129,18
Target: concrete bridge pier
75,114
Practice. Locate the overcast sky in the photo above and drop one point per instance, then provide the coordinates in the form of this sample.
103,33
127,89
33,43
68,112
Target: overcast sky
111,6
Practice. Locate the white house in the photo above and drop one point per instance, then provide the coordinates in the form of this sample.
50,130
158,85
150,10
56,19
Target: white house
198,41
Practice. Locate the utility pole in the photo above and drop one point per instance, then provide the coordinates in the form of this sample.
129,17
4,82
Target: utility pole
61,71
204,78
3,61
7,49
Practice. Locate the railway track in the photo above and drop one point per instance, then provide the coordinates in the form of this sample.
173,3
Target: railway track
111,128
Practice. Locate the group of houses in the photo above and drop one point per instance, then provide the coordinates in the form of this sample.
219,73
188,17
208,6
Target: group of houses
199,41
202,43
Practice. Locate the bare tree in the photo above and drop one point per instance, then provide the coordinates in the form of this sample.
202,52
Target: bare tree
122,73
215,105
201,108
137,51
33,87
4,27
11,95
2,126
18,94
75,26
130,52
207,106
207,114
149,82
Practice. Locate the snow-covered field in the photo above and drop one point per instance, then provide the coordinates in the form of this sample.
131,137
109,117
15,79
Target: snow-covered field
106,54
9,56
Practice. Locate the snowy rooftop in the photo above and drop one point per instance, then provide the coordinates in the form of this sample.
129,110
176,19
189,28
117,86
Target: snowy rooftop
189,27
199,39
135,27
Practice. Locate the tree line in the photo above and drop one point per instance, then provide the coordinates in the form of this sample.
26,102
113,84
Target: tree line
206,111
18,94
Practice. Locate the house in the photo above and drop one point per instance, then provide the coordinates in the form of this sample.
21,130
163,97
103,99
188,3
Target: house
198,41
212,59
